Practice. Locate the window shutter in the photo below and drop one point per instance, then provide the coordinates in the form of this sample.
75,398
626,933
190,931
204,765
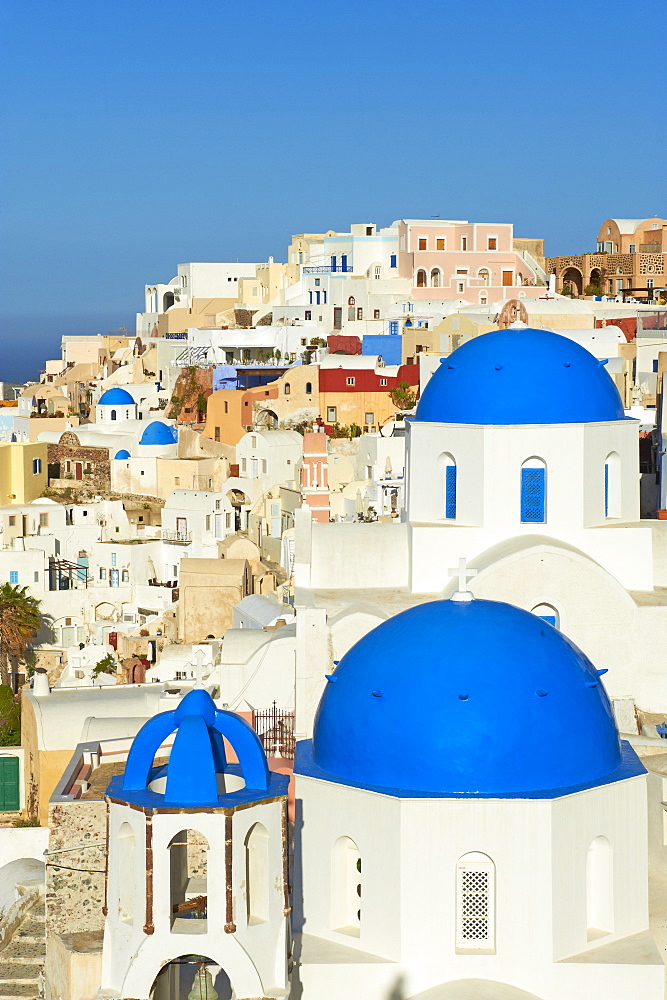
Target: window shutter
475,897
450,491
606,489
532,494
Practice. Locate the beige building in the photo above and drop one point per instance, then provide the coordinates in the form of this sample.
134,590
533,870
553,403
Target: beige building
208,590
23,471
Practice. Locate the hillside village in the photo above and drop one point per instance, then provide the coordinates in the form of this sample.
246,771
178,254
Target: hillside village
282,535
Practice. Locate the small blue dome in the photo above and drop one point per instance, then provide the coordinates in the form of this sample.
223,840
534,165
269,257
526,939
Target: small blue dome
123,453
158,433
115,397
197,763
520,377
466,698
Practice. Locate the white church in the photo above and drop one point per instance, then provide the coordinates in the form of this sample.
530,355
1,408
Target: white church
468,826
521,461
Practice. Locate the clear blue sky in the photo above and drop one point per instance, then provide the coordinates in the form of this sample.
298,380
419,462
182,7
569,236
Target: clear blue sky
143,133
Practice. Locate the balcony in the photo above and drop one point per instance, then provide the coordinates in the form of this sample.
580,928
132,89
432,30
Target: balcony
329,269
181,537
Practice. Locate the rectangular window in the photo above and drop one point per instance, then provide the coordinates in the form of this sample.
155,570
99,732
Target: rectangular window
13,576
350,380
35,577
383,381
43,520
422,243
317,282
263,466
113,558
606,489
360,313
450,491
12,520
331,414
36,466
307,314
440,243
464,242
177,480
393,327
392,260
369,418
532,494
243,465
208,522
376,314
461,287
492,243
475,909
103,573
216,434
228,520
633,248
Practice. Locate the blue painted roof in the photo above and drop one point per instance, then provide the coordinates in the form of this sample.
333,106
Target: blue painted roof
466,698
123,453
158,433
520,377
115,397
197,758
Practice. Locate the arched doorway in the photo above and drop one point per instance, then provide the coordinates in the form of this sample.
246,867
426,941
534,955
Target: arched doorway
266,418
177,979
167,301
596,279
573,277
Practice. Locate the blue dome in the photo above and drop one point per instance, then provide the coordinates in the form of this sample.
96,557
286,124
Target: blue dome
158,433
115,397
123,453
466,698
520,377
195,773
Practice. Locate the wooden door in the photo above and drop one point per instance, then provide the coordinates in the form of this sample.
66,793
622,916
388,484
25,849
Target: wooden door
10,797
508,279
79,470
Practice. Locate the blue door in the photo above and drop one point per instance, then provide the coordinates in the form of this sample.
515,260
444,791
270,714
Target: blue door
450,491
113,575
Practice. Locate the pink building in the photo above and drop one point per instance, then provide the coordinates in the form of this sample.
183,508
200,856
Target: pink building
465,260
315,475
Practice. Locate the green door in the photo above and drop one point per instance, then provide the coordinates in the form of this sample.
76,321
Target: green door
10,798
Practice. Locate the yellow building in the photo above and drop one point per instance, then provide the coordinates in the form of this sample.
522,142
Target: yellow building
23,472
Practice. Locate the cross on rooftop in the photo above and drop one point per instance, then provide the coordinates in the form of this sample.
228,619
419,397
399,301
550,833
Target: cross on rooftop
662,730
199,667
464,574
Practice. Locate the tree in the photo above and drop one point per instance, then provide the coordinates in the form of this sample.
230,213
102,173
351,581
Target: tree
20,621
403,396
107,665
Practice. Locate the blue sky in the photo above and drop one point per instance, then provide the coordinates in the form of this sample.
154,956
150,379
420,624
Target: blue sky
141,134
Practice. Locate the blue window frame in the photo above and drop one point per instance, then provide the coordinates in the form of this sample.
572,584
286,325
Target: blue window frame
13,576
450,491
392,260
333,263
533,494
606,489
113,558
393,327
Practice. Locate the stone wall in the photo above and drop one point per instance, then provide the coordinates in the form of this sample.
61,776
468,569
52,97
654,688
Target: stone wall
75,880
95,464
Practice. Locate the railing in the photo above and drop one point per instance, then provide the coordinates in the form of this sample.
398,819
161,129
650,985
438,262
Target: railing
169,535
275,728
328,269
181,335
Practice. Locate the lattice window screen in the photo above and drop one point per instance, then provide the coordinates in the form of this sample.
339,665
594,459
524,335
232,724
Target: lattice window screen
532,494
606,489
450,491
475,905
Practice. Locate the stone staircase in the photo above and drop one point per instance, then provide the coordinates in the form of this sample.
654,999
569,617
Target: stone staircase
22,958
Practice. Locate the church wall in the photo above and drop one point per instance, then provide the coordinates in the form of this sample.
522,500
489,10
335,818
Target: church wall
600,440
427,444
353,556
619,813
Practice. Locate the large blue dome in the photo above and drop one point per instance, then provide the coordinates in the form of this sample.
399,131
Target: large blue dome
520,377
158,433
115,397
466,698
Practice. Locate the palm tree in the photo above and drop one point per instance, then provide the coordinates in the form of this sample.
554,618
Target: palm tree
20,620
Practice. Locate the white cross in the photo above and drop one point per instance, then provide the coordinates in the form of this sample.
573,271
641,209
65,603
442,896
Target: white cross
464,574
199,667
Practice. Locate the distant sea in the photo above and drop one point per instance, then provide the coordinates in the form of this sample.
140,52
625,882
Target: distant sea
29,340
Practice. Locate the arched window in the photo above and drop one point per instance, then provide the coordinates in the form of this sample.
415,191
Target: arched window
126,873
599,889
484,274
533,490
447,466
167,301
188,890
548,613
420,278
346,887
287,389
309,388
257,874
113,414
436,277
518,279
351,312
612,485
475,903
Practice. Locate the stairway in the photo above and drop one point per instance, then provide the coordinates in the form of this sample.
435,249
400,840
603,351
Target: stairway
22,959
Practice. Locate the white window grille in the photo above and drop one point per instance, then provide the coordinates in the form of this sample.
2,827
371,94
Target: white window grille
475,891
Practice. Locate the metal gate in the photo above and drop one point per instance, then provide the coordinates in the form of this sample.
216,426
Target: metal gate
275,728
